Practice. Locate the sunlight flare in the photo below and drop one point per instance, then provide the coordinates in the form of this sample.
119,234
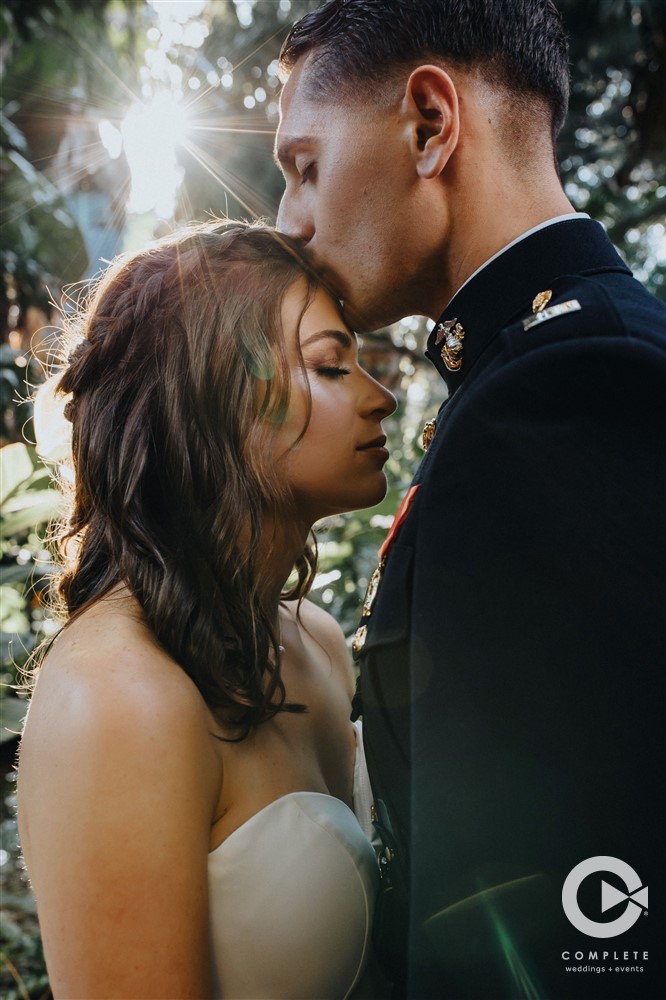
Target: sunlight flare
152,133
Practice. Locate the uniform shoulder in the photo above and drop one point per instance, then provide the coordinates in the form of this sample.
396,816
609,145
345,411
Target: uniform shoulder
607,306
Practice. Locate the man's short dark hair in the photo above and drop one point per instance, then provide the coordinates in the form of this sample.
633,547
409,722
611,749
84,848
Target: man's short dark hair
517,44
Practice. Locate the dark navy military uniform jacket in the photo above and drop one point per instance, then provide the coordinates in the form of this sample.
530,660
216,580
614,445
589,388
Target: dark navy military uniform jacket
512,677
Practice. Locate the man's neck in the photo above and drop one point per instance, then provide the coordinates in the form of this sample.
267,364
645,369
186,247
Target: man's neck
479,235
534,229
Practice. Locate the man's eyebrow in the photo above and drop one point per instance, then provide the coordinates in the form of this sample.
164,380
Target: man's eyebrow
284,150
346,339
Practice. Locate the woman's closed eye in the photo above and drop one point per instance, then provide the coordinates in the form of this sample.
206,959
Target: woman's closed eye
331,353
332,371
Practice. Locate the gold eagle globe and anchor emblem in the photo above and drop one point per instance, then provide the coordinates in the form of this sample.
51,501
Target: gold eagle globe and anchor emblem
453,334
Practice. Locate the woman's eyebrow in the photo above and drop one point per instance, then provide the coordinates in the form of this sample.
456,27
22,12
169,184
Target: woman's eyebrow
342,337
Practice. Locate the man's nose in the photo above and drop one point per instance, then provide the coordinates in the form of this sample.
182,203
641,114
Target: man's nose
293,220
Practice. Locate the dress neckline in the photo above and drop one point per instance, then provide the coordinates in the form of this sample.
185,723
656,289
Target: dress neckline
280,799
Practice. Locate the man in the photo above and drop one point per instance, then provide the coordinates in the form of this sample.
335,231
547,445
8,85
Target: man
513,642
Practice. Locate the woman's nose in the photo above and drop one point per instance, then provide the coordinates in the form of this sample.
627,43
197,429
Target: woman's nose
382,403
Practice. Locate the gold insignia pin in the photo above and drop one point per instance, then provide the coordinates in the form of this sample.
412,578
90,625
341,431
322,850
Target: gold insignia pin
428,434
545,314
541,300
358,640
453,334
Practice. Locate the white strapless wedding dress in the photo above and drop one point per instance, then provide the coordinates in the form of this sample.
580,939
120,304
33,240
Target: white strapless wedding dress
291,897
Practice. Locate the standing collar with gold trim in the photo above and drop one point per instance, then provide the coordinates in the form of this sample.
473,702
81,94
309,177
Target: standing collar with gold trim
504,289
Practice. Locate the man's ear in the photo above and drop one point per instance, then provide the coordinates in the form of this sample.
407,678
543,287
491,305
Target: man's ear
431,106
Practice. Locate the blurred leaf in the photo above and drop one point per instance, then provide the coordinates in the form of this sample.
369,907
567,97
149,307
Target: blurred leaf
15,648
21,471
18,464
13,618
29,511
10,135
16,573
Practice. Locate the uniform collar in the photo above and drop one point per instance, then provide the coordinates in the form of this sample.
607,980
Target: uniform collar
505,286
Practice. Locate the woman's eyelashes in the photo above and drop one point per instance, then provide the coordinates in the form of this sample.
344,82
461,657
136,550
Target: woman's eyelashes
332,371
329,367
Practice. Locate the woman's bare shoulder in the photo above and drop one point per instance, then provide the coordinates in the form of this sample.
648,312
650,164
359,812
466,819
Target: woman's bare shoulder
106,683
118,782
320,622
328,634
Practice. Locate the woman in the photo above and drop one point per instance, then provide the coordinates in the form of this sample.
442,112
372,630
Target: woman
187,767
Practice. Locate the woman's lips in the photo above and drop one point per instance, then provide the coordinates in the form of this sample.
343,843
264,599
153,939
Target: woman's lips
375,447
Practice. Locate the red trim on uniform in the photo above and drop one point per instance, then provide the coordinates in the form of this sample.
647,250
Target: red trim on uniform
400,516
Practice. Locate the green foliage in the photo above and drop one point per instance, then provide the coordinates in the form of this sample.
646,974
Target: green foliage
23,973
612,164
52,51
26,495
39,238
611,150
28,502
22,969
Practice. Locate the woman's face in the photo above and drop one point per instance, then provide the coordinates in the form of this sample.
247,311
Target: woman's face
336,465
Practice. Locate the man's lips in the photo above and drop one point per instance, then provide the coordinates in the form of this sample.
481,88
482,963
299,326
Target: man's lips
329,278
331,283
337,289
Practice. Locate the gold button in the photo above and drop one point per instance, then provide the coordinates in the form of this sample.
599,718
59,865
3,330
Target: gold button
358,641
427,435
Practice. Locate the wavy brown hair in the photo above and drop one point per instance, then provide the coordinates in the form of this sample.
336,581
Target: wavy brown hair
177,383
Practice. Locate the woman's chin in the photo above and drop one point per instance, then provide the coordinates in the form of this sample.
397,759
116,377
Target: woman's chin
361,499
